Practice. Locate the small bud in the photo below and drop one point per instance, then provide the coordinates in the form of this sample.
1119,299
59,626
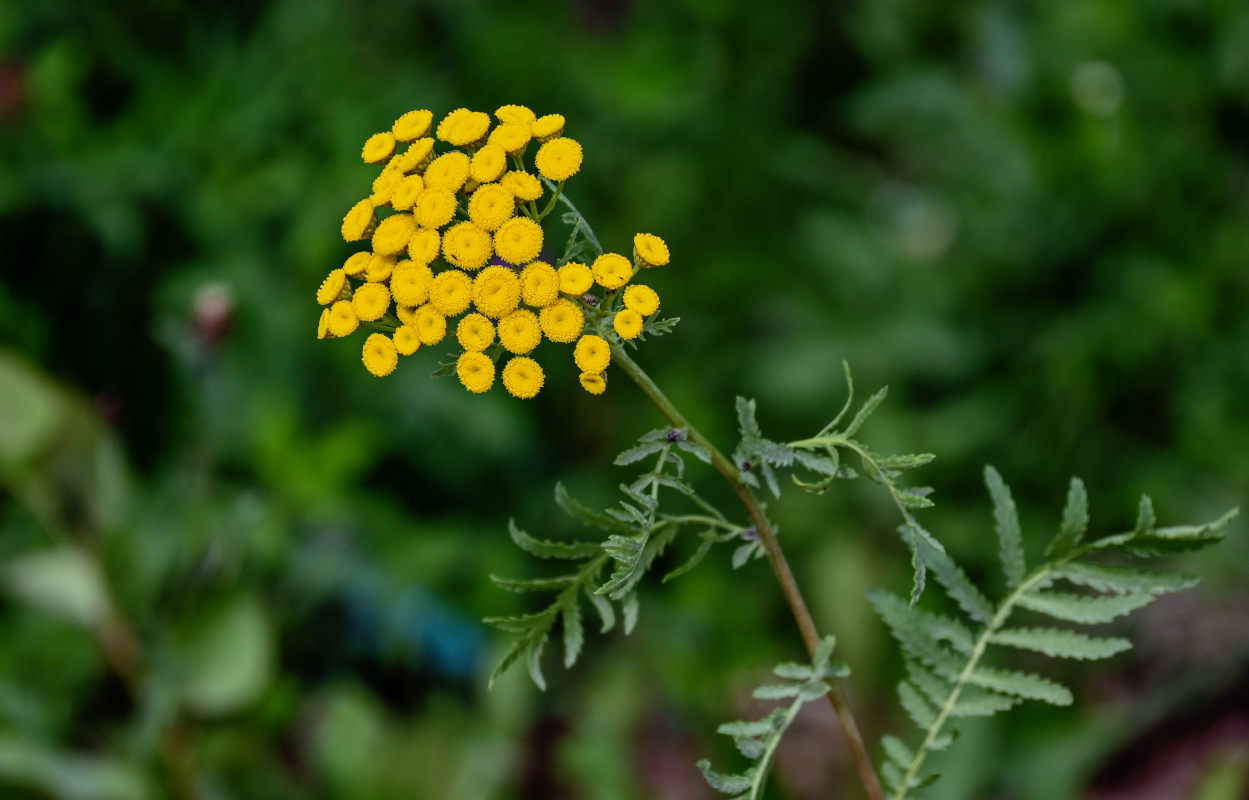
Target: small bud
676,435
745,466
589,299
750,534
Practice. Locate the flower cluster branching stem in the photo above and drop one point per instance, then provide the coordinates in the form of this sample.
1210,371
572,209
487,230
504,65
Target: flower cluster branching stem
776,557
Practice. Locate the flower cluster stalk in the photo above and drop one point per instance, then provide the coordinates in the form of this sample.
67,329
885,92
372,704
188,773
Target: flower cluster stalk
776,558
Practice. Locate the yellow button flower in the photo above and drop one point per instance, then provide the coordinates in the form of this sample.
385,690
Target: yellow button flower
380,356
465,245
562,321
371,301
430,325
407,340
518,241
378,148
434,208
406,314
323,325
384,186
463,127
510,137
525,186
447,171
491,206
548,127
628,324
650,250
593,382
406,191
523,377
517,115
641,299
488,164
379,268
475,333
476,371
612,270
393,234
332,287
359,221
451,292
496,292
424,246
357,263
539,284
592,353
558,159
343,318
418,155
412,125
410,282
575,279
519,332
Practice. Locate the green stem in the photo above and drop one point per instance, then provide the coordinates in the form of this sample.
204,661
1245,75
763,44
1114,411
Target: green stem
776,557
559,190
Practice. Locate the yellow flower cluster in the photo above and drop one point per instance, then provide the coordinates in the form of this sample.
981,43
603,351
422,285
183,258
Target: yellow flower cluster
454,230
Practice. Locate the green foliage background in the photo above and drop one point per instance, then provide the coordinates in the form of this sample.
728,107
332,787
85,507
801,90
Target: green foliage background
1032,221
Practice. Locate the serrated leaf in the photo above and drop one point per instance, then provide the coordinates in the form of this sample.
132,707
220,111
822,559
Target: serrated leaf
956,583
812,690
892,775
629,610
1075,520
904,461
916,707
823,464
1088,610
1145,517
742,554
793,671
638,452
897,752
695,449
533,661
585,515
547,549
521,623
865,411
749,730
625,549
981,703
916,639
725,784
776,691
774,453
1006,523
824,651
508,659
1058,643
1021,684
532,584
934,688
574,635
604,608
746,423
769,477
914,498
1125,580
1163,541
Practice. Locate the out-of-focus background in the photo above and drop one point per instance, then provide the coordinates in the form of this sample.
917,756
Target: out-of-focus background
234,565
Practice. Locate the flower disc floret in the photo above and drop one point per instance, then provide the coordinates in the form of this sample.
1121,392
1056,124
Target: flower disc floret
475,332
463,127
592,353
562,321
393,234
409,284
539,284
406,191
332,287
641,299
612,270
491,206
447,171
359,221
379,268
412,125
520,332
451,292
467,246
476,371
593,382
378,148
526,187
519,240
558,159
548,127
496,292
650,250
488,164
434,207
523,377
517,115
424,246
343,318
380,356
407,340
575,279
357,263
511,137
628,324
371,301
430,325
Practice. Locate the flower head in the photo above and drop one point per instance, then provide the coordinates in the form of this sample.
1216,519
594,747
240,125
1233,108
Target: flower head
592,353
406,191
407,340
548,127
518,115
488,164
434,207
468,246
593,382
496,292
641,299
559,159
612,270
323,325
523,377
476,371
378,148
448,171
463,127
424,246
410,283
475,332
525,186
357,263
379,268
412,125
575,279
511,137
431,325
343,319
332,287
393,233
519,240
491,205
628,324
451,292
519,331
371,301
380,356
539,285
562,321
650,250
359,221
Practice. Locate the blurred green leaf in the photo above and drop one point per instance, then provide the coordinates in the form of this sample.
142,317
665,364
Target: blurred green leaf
64,582
226,656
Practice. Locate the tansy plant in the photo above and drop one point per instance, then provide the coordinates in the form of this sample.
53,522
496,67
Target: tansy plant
458,253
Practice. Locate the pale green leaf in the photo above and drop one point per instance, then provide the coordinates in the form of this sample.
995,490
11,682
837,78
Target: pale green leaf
574,635
1088,610
1075,520
1060,643
548,549
1125,580
1021,684
1006,522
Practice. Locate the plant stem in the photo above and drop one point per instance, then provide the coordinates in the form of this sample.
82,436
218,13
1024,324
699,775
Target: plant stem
776,557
